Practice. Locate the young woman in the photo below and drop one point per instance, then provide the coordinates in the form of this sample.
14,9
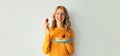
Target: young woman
59,37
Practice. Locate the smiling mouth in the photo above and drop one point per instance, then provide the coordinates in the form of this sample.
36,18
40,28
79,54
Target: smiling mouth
59,19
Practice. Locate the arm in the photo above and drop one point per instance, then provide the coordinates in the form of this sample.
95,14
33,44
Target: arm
47,41
46,44
70,46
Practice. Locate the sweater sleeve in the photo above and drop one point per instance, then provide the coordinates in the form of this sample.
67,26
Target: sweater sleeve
70,46
46,44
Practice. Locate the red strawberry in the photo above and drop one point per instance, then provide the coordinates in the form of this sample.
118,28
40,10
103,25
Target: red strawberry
63,35
46,20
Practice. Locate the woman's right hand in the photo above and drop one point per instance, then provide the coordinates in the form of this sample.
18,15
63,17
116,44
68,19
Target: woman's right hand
46,25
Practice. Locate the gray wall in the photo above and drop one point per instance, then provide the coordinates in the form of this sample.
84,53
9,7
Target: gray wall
95,23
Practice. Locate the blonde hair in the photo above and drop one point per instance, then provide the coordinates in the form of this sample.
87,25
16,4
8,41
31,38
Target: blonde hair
66,22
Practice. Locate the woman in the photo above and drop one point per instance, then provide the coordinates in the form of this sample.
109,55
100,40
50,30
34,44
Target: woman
59,37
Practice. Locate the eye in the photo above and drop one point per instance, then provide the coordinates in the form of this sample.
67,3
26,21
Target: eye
57,13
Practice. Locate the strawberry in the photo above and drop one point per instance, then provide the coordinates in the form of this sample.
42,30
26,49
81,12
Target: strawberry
46,20
63,35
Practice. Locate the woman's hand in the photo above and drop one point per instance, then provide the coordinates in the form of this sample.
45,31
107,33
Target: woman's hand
46,25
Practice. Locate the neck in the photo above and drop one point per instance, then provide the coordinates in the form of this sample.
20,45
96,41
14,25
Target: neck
59,25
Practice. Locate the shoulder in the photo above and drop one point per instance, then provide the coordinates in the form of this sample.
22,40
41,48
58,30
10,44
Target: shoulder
52,29
72,30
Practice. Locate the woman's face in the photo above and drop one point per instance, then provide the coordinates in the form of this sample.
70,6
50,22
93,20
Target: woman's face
60,15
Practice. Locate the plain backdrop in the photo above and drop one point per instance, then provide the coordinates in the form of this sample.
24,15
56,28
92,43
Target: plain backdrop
96,26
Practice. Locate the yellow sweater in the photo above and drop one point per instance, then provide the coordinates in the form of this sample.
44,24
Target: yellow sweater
58,49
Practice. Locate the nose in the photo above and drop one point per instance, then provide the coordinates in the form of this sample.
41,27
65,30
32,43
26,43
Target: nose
60,15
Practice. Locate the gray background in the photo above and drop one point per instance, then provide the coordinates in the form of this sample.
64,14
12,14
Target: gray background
95,23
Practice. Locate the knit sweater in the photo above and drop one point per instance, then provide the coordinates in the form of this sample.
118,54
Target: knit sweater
51,48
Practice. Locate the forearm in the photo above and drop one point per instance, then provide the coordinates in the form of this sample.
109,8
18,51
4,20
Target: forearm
46,44
70,47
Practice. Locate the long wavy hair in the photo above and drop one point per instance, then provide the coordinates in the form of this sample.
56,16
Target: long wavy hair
66,22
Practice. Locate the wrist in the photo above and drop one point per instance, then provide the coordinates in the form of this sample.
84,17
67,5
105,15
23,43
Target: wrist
47,31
